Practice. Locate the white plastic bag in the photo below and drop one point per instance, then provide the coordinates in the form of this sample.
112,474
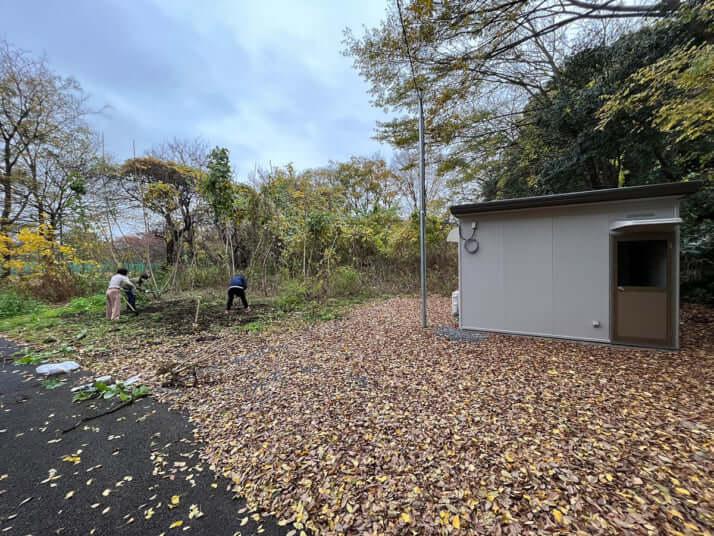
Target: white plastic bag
50,369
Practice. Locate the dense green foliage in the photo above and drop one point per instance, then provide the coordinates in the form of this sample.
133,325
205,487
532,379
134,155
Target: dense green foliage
12,303
564,145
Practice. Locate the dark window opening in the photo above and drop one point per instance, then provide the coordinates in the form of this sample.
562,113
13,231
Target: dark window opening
642,263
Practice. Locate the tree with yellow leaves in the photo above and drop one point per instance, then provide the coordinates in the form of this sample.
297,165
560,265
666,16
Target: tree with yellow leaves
36,257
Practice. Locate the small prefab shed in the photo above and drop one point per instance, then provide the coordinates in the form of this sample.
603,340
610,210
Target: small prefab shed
601,265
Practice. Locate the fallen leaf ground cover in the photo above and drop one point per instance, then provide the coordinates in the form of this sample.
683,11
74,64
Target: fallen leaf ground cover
369,424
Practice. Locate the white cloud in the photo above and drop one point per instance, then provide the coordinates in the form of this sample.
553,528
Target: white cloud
265,79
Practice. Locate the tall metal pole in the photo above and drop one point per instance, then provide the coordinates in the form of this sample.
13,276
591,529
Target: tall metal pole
422,187
422,209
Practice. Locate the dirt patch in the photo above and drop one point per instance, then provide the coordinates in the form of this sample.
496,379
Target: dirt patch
176,317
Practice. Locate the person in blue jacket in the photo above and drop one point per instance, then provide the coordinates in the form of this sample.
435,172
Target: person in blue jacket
237,287
130,297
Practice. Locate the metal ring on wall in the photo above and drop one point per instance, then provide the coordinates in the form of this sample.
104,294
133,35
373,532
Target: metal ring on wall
471,245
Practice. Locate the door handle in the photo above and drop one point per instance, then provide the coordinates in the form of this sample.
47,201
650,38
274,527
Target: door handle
621,289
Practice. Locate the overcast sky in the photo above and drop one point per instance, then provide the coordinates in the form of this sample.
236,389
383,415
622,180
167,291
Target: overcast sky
265,79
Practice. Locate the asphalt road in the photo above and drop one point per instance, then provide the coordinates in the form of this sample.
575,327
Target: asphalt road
116,474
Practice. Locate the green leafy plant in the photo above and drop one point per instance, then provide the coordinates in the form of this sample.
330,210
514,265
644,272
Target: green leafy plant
293,296
102,390
34,358
13,304
83,305
345,281
52,383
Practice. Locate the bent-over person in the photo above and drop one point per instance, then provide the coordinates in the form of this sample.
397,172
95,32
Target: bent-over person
114,293
237,287
131,297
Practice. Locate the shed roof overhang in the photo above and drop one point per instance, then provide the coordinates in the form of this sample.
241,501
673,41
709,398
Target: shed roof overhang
673,189
653,224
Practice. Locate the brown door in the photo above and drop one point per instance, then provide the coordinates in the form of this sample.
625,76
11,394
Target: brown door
642,289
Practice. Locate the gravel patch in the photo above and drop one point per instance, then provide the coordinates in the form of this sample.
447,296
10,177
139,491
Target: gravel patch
460,335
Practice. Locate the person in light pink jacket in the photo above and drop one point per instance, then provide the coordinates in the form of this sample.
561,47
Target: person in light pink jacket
114,293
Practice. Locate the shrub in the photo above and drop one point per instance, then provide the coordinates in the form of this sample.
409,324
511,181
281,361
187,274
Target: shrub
203,277
345,281
90,282
49,287
293,295
39,262
13,303
83,305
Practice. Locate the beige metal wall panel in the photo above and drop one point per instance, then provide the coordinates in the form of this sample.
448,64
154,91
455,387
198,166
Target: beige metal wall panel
481,277
581,276
527,247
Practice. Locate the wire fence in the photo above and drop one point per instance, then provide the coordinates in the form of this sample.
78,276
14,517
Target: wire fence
135,267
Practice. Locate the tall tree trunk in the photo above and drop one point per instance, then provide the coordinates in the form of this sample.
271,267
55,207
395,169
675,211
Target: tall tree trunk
7,191
170,250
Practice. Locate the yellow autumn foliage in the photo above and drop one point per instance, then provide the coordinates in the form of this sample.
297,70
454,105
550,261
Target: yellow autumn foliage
35,252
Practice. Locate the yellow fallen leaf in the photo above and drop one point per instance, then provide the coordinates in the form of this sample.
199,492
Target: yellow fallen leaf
558,516
456,522
674,513
256,517
176,524
243,521
73,459
682,491
175,499
149,513
106,492
406,517
106,510
214,485
69,495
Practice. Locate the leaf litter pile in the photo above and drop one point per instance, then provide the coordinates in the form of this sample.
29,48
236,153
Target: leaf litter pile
371,425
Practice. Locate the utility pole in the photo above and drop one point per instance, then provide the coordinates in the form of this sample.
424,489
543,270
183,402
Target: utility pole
422,180
422,208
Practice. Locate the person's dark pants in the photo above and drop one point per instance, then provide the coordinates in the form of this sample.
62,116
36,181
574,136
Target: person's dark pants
232,293
131,298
